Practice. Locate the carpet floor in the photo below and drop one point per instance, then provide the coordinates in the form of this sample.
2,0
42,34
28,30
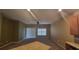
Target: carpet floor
34,44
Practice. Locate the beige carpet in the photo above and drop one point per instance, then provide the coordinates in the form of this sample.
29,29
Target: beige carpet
36,45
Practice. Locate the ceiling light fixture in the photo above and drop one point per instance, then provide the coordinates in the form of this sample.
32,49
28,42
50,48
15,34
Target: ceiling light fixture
28,9
33,15
59,10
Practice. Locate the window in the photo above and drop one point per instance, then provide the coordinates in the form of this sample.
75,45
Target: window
30,32
41,32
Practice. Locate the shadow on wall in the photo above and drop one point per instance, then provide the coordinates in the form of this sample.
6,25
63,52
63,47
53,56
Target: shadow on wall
62,33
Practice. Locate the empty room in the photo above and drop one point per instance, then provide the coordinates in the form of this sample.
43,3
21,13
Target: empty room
39,29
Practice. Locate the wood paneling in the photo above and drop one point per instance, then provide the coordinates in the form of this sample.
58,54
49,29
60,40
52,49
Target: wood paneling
0,26
9,31
74,24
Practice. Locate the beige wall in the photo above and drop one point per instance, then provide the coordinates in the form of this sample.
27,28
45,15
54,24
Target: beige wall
60,33
21,31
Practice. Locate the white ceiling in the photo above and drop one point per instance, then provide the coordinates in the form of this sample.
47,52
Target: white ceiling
19,14
45,16
70,11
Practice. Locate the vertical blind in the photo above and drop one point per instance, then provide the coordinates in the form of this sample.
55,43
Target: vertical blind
42,32
30,32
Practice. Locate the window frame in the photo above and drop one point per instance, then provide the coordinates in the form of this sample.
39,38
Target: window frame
41,32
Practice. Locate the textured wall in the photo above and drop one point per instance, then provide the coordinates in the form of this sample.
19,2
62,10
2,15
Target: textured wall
60,33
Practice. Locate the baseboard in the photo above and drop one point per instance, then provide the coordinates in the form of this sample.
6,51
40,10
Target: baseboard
58,45
10,43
